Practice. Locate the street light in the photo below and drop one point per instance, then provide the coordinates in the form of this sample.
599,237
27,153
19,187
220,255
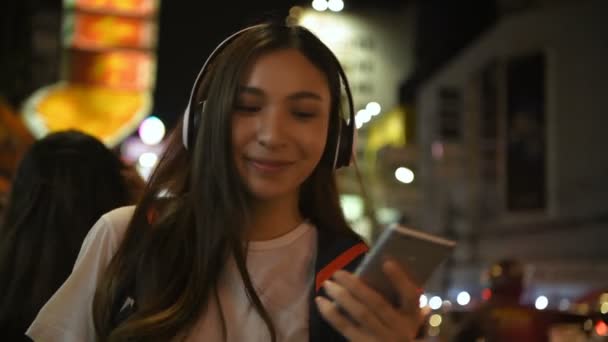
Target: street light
151,130
373,108
404,175
320,5
335,5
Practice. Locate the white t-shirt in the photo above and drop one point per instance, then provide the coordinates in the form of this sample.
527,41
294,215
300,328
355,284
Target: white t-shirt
281,271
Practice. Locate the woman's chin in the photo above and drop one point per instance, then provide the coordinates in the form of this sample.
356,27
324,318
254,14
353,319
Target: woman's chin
271,192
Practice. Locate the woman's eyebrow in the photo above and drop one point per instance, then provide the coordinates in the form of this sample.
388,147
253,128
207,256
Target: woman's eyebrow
304,95
250,90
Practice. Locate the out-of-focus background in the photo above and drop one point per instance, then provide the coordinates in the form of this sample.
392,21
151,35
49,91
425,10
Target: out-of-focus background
482,121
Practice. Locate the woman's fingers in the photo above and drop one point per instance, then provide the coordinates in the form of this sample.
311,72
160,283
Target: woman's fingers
354,307
370,298
346,327
361,314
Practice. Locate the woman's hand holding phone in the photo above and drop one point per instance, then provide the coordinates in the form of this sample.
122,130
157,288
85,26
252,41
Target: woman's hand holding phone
380,301
362,314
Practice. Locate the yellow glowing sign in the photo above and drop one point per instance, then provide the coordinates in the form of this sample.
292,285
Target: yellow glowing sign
106,31
98,111
109,74
141,7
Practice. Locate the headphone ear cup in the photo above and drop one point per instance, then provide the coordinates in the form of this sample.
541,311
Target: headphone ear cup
345,149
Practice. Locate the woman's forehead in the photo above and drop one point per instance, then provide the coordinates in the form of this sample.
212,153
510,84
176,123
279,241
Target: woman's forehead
285,71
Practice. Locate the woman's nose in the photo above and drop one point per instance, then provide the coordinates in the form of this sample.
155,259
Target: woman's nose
271,128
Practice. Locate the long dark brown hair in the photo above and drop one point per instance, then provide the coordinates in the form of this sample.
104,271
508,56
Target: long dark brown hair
63,184
171,266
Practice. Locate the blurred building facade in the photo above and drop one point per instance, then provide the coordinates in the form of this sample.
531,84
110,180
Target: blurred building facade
511,159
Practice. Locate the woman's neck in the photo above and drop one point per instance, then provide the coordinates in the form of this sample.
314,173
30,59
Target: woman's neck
271,219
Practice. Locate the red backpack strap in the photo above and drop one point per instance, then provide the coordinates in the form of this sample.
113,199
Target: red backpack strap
339,263
151,215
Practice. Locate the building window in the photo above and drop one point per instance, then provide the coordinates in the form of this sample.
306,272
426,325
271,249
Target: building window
525,155
450,114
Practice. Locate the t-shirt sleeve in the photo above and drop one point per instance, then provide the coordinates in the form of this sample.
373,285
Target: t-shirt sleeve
68,315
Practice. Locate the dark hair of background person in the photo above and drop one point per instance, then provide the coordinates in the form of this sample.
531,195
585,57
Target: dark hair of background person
171,266
63,184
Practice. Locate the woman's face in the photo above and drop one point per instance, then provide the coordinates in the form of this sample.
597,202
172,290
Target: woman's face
280,123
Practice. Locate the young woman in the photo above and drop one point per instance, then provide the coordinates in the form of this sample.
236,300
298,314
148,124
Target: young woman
240,228
63,184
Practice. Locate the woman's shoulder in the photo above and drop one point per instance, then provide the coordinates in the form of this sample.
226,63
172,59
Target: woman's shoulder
118,219
110,229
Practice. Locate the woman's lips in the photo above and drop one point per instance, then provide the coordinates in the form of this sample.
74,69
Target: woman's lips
269,165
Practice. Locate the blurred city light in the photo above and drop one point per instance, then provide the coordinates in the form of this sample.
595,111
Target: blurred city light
296,11
152,130
333,35
387,215
404,175
148,159
486,294
564,304
463,298
604,308
352,206
424,301
335,5
588,325
362,117
541,302
320,5
333,30
496,271
437,150
601,329
310,21
582,308
435,303
435,320
373,108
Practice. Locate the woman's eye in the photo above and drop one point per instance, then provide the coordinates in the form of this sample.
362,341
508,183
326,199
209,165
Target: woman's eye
303,115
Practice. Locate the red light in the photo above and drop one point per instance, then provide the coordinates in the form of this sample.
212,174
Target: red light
486,294
601,328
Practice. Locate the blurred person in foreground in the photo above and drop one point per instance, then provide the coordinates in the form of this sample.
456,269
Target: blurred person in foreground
63,184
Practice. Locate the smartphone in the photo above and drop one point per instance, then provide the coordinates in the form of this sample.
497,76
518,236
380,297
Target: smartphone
418,253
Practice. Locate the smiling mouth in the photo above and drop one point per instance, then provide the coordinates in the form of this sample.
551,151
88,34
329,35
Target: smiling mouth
268,165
